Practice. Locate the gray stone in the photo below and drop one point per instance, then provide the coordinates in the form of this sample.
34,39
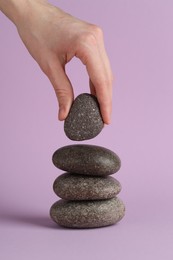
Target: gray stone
84,120
86,159
79,187
87,214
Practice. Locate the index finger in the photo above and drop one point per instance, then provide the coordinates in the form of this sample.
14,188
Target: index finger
94,56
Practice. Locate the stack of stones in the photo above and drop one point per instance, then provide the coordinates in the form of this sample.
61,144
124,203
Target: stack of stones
88,193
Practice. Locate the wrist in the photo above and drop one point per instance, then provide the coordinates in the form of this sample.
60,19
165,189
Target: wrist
16,9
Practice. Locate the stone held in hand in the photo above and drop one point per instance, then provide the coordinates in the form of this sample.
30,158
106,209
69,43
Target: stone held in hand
84,120
79,187
86,159
87,214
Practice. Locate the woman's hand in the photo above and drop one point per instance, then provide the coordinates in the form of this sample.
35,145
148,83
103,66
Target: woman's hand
53,38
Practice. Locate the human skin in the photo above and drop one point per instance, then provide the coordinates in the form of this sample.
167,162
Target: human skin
53,38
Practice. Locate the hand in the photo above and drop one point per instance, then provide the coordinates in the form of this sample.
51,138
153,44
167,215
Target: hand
53,38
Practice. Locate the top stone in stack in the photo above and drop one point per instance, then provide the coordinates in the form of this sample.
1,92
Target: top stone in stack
84,120
86,159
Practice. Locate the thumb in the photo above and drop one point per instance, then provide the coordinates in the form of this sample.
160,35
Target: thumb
62,87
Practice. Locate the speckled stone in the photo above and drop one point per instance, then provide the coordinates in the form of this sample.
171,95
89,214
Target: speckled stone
86,159
79,187
84,120
87,214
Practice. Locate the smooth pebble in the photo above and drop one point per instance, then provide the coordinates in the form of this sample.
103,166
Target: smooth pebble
84,120
87,214
86,159
79,187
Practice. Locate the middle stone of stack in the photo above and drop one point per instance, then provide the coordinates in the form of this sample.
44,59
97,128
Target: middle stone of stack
69,186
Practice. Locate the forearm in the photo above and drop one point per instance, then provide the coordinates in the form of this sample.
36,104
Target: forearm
16,9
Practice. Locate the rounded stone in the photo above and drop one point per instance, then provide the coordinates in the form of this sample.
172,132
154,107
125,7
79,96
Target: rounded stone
86,159
84,120
79,187
87,214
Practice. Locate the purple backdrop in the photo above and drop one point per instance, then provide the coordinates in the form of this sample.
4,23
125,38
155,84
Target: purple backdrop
139,40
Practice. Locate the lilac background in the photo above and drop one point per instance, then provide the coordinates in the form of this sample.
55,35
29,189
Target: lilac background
139,40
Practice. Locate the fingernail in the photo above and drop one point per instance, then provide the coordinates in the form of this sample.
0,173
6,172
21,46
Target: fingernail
61,114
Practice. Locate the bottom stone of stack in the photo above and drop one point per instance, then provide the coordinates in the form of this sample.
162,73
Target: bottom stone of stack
87,214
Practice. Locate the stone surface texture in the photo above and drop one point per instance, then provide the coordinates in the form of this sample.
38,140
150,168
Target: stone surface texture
79,187
84,120
87,214
86,159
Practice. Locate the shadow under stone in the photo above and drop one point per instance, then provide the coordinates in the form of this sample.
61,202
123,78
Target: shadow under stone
28,219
